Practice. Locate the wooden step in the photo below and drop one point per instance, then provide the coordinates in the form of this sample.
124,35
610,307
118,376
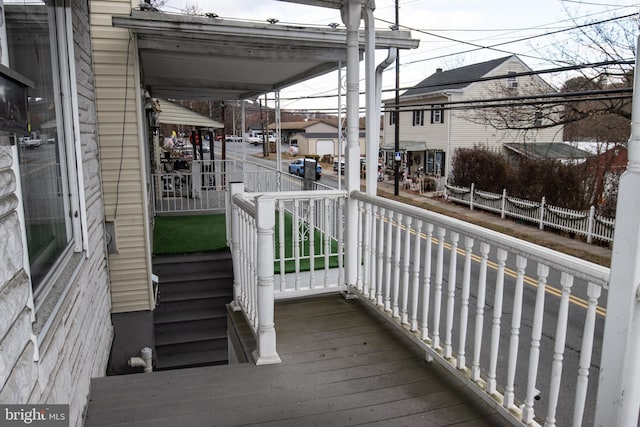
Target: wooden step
192,360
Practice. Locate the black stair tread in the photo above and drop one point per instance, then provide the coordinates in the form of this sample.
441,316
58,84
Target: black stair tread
209,256
193,359
175,294
188,336
195,276
181,316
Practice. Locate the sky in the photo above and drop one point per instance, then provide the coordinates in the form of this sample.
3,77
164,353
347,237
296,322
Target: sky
449,31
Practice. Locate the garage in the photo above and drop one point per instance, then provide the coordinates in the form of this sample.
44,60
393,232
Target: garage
325,146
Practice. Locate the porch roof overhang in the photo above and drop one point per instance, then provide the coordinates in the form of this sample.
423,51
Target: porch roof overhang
174,114
405,146
195,57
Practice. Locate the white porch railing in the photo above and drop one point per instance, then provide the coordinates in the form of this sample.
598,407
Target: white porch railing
474,299
299,234
584,223
203,186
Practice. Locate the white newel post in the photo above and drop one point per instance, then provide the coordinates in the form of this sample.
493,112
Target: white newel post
233,236
351,14
266,340
618,400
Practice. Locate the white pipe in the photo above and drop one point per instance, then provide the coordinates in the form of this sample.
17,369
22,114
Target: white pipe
390,59
351,14
144,361
372,140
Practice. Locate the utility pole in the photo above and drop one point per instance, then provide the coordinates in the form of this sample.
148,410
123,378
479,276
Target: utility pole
396,113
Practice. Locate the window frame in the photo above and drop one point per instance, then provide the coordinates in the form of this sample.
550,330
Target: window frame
418,117
437,114
50,291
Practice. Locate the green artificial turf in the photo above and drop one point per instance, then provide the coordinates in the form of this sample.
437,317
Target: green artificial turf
174,235
305,263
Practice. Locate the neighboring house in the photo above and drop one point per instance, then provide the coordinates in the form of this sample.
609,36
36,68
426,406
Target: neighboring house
55,326
316,137
430,132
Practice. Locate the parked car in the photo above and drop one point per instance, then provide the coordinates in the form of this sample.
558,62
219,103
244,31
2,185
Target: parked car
29,142
233,138
335,166
297,168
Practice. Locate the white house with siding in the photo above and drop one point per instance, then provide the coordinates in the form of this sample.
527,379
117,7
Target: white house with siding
433,126
55,326
316,137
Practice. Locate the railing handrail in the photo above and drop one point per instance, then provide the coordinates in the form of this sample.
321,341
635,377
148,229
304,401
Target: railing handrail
300,195
578,267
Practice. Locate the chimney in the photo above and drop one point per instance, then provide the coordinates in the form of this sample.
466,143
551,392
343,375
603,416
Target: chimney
438,70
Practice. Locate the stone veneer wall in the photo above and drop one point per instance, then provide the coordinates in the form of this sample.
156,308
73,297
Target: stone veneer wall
53,359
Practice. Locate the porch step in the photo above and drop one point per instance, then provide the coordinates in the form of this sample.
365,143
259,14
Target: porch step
190,319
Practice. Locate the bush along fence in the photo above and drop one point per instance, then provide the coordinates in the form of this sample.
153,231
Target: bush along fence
585,223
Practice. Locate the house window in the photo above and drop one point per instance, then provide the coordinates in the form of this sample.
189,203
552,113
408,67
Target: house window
418,118
437,113
435,162
392,118
512,83
538,119
40,50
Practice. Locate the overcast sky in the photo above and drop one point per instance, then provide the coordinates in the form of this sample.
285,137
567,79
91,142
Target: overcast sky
484,23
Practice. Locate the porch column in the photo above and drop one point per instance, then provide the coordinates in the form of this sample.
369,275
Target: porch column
266,334
618,400
233,240
351,14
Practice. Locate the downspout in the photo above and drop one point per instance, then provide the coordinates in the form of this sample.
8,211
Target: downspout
390,59
372,137
351,12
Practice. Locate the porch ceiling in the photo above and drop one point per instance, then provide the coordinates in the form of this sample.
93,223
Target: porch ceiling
193,57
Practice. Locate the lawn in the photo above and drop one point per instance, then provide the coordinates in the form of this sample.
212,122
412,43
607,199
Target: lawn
173,235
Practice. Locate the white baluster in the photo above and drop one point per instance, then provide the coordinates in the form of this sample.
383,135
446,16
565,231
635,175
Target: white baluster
509,395
534,355
380,260
404,318
373,279
482,291
464,303
360,225
340,218
311,231
388,263
566,281
296,224
396,268
437,295
327,240
415,282
593,292
282,240
426,283
366,249
451,293
495,324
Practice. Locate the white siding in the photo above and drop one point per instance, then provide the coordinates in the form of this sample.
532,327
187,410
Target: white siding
123,167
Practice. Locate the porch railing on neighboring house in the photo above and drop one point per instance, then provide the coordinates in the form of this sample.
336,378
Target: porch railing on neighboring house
491,308
202,186
585,223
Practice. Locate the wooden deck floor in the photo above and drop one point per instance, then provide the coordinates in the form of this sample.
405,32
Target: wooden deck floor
340,366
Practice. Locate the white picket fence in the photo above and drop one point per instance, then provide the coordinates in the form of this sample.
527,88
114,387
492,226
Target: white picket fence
585,223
